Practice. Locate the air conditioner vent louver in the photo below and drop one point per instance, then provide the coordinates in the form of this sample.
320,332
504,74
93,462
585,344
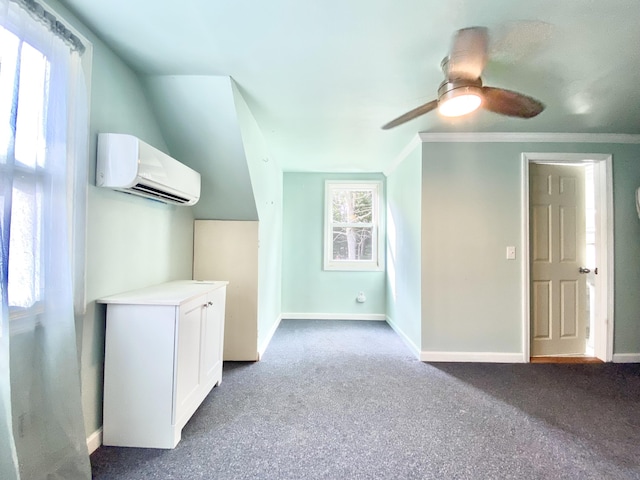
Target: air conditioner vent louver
158,193
129,165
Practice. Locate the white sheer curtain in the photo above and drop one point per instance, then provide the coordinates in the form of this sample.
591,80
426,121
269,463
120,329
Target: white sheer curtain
43,122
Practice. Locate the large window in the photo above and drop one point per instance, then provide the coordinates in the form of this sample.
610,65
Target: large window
23,96
42,162
43,183
352,226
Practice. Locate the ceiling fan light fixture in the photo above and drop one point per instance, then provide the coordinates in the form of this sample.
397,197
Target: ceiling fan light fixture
455,100
460,105
462,91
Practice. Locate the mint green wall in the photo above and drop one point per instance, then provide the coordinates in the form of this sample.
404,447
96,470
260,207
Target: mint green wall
404,193
626,179
306,287
472,296
266,180
131,242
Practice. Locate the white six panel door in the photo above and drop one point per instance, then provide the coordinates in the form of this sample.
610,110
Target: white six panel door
558,251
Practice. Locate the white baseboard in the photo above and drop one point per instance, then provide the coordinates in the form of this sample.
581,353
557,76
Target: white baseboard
480,357
94,441
334,316
626,358
267,341
412,346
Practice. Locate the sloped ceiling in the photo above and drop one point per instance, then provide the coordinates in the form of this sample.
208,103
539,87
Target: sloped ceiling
322,77
198,118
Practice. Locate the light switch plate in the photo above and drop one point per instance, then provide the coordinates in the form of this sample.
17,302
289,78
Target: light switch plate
511,253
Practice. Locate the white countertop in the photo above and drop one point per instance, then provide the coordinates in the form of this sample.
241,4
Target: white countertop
170,293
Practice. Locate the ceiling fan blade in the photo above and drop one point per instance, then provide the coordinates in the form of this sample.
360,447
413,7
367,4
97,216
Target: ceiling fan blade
416,112
468,54
513,104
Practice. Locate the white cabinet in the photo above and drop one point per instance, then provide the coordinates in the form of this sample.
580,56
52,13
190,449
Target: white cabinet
163,355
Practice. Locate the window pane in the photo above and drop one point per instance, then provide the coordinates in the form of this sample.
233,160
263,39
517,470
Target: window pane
25,243
30,139
352,206
351,226
352,244
8,57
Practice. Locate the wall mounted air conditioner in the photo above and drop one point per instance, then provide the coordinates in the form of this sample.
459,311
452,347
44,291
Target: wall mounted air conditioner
127,164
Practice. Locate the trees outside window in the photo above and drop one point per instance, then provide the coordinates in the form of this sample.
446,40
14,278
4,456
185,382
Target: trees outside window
351,226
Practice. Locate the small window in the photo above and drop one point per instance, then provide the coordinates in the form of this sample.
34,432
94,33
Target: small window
352,226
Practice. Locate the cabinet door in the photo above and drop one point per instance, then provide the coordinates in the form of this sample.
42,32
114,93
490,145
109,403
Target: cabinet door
188,352
212,336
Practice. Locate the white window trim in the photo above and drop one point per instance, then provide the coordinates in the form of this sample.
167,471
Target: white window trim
377,263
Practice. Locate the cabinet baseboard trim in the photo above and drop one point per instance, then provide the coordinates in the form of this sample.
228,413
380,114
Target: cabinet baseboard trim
94,441
480,357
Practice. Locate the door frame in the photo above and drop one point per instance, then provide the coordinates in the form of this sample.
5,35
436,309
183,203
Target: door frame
603,334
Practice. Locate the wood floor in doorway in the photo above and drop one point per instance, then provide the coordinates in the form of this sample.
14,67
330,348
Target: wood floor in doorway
565,359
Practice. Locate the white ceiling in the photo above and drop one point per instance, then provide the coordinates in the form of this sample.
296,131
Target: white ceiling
322,77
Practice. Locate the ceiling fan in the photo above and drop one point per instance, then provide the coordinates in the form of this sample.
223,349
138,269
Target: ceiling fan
462,91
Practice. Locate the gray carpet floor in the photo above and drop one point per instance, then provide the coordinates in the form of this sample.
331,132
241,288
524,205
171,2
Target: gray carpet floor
347,400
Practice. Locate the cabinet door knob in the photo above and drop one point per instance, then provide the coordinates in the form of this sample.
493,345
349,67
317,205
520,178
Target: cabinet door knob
210,303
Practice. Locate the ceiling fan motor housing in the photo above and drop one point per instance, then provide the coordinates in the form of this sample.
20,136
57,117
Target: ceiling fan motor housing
453,88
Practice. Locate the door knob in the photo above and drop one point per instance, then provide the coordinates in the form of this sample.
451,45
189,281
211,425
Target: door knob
584,270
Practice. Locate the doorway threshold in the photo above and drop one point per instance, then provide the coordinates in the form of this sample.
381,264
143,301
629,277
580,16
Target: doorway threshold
565,359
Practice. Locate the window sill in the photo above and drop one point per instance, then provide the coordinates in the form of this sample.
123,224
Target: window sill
23,320
353,267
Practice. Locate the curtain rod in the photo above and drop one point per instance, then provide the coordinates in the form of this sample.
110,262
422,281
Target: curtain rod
55,25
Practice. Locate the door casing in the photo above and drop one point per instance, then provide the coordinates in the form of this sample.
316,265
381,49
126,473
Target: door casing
603,331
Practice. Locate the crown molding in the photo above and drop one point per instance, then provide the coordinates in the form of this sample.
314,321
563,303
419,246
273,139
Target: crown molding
512,137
